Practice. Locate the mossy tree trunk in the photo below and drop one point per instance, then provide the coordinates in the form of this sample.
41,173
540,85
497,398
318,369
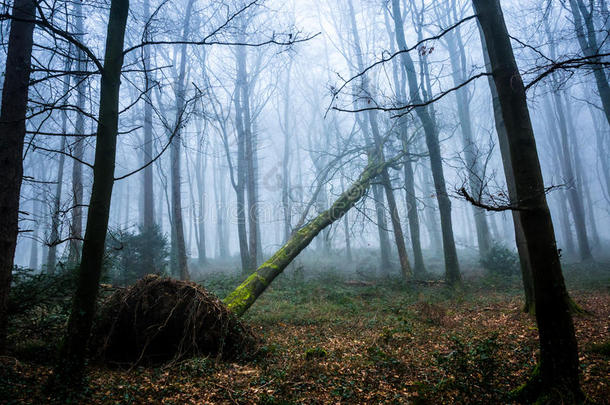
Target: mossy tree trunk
244,296
557,380
73,351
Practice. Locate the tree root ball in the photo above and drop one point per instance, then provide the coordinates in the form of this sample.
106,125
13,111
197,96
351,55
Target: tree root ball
161,319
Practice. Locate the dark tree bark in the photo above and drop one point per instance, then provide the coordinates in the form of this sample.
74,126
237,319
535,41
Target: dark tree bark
12,134
452,268
524,260
558,367
73,351
419,268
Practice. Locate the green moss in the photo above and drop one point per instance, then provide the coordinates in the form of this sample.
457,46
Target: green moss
601,348
315,353
534,392
530,389
239,300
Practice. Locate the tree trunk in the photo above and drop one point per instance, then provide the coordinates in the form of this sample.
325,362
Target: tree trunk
411,200
382,227
524,261
419,268
76,227
147,184
179,262
376,153
574,197
36,224
12,134
200,167
54,233
582,179
244,296
220,198
73,351
249,156
287,128
240,189
583,19
348,244
558,374
452,268
399,239
474,171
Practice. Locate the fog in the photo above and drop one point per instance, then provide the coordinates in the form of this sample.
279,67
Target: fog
420,188
304,132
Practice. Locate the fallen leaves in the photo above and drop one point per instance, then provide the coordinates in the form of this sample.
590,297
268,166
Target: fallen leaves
373,354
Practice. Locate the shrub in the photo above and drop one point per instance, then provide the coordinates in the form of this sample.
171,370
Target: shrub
472,367
33,291
501,260
131,256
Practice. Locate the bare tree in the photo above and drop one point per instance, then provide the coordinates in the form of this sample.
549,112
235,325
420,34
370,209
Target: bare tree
558,368
452,269
73,351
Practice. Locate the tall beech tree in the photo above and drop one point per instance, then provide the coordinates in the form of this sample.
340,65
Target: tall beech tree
179,262
377,153
474,169
452,268
556,379
12,135
74,347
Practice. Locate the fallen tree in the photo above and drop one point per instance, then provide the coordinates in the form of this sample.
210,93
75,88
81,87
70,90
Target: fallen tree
244,296
161,319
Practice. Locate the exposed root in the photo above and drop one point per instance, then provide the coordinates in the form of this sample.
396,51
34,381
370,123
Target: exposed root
161,319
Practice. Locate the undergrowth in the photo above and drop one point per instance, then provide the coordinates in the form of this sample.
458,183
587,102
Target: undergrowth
336,337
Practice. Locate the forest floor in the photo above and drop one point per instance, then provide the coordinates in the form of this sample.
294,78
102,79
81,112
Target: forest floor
336,340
